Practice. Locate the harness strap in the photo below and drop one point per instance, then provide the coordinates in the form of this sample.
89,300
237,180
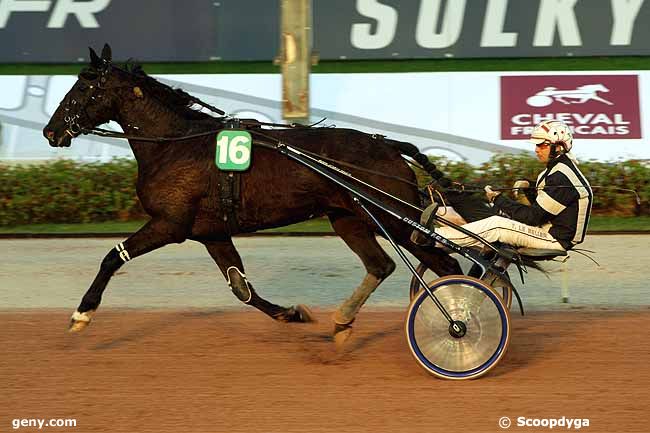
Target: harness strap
230,199
326,158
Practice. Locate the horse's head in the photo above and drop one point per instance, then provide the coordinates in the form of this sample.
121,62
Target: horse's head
90,101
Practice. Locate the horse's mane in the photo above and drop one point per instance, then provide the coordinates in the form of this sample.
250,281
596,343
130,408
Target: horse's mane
176,99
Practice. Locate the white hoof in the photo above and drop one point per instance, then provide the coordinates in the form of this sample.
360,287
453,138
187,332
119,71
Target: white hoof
79,321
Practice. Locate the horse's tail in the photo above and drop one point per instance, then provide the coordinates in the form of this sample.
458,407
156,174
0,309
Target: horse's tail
414,153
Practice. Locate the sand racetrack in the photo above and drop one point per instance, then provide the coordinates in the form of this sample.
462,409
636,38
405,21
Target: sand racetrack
238,371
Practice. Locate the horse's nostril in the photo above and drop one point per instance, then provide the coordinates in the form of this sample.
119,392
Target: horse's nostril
50,134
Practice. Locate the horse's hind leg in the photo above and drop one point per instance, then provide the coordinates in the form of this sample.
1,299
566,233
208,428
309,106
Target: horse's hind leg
228,260
361,239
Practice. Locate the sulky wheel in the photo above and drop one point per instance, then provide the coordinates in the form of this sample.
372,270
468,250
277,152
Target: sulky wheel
503,289
482,317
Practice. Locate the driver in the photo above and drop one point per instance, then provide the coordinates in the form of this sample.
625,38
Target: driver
558,218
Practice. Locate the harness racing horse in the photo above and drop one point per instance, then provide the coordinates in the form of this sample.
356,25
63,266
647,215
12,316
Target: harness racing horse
179,185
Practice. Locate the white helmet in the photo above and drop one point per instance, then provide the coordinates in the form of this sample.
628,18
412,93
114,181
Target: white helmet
553,132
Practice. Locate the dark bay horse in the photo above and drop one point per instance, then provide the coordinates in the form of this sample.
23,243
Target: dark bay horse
178,185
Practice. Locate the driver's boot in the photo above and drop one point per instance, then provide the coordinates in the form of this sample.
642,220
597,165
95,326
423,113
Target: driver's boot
427,219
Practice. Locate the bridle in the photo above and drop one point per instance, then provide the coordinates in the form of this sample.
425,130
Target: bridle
73,110
72,116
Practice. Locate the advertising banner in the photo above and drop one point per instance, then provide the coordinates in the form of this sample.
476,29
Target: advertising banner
60,31
389,29
597,106
204,30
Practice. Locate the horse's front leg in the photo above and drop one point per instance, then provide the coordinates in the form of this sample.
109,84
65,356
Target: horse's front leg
153,235
229,261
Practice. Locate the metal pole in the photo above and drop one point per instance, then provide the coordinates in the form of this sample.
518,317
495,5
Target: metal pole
565,282
295,59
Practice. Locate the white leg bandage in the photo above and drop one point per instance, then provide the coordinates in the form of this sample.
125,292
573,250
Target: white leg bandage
124,254
243,276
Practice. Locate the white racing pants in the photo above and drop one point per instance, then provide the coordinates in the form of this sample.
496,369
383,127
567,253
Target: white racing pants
504,230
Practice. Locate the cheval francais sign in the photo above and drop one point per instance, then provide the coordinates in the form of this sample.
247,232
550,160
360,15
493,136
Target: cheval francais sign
594,106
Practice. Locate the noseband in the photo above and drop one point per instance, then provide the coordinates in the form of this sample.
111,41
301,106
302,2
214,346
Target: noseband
71,120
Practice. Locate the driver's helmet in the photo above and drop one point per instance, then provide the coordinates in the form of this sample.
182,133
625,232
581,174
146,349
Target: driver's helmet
553,132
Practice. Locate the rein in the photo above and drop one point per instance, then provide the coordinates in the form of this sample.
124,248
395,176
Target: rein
248,126
275,143
112,134
343,163
476,188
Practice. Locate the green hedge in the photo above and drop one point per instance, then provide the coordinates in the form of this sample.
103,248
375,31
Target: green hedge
70,192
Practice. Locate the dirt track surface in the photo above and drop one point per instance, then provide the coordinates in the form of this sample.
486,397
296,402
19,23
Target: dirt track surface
238,371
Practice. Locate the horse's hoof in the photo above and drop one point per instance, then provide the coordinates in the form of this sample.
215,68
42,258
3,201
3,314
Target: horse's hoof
304,314
342,334
79,321
299,313
77,326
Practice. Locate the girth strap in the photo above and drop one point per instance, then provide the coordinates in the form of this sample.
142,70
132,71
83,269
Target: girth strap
229,199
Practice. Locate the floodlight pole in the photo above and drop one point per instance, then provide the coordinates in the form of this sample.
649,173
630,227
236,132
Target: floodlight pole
295,58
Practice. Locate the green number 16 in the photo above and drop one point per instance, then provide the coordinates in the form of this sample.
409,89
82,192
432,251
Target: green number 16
233,150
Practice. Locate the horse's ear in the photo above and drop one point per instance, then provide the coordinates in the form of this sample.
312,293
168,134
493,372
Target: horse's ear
95,61
106,53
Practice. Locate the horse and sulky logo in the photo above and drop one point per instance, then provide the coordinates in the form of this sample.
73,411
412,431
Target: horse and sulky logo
594,106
